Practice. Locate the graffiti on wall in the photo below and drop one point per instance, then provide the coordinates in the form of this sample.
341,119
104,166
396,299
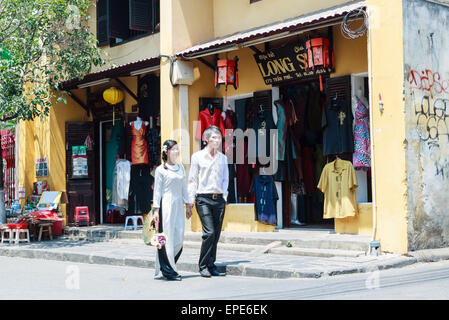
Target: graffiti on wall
429,93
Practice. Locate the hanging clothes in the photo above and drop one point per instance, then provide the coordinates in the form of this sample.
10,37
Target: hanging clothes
121,181
139,147
230,123
266,197
206,120
153,137
140,192
362,153
338,182
113,147
262,124
337,124
240,111
243,174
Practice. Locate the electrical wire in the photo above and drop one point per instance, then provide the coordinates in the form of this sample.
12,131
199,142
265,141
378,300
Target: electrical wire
172,61
345,27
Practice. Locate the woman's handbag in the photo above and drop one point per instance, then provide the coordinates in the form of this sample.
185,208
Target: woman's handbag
149,228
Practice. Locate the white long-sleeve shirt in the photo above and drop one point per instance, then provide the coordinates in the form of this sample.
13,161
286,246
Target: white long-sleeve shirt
208,174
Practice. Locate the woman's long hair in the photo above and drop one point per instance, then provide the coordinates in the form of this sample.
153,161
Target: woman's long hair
168,144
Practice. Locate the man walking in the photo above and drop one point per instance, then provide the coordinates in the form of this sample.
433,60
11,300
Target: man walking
208,185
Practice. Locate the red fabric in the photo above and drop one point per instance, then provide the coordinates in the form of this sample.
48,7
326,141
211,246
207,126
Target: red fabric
139,148
206,120
230,122
308,169
243,176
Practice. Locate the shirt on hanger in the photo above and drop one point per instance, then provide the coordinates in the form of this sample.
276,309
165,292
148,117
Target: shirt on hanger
266,196
337,124
338,182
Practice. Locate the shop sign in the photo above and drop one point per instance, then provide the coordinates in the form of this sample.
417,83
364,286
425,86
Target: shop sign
41,166
79,162
286,64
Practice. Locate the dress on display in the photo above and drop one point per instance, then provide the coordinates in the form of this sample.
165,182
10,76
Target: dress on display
170,195
139,147
140,192
362,153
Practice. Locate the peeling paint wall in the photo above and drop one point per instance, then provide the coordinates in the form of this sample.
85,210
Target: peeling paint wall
426,68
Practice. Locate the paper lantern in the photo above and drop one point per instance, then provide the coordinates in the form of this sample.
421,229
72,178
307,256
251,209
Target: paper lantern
226,73
113,95
318,55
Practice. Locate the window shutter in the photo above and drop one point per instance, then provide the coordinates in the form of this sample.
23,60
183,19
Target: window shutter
216,102
103,22
263,98
119,18
340,86
140,15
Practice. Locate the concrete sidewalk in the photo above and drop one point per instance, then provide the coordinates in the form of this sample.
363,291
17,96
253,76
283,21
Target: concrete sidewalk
131,251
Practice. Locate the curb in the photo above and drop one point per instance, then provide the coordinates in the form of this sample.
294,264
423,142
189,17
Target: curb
234,270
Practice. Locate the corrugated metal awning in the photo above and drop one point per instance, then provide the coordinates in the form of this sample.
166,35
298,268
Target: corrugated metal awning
112,72
287,26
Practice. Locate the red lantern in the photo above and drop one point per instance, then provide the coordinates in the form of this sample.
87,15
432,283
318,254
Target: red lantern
318,55
226,73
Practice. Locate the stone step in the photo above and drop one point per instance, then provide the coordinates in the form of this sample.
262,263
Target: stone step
279,249
240,242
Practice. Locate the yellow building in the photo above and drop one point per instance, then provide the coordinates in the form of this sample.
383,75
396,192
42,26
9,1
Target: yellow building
184,47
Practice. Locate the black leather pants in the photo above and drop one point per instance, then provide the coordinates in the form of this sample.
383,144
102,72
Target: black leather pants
211,213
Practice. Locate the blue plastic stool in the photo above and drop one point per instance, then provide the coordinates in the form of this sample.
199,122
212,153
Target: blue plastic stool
134,220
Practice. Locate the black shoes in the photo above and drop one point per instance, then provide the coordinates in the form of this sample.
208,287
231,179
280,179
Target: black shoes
174,278
216,273
211,273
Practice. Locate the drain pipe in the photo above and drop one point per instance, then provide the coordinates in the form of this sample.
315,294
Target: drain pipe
373,244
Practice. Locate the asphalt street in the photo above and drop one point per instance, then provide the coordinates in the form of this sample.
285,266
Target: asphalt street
56,280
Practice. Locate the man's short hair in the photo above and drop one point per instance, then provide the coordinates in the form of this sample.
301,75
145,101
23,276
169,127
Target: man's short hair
208,132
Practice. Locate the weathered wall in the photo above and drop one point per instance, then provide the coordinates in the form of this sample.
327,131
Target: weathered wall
426,71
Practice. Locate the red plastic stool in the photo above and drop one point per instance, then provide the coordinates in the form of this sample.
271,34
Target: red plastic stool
81,216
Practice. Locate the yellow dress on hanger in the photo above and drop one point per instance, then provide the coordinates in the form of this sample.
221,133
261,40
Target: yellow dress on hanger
338,182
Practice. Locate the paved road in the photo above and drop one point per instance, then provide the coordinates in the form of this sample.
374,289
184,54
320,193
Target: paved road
44,279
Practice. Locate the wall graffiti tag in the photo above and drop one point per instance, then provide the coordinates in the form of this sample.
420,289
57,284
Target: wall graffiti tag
431,110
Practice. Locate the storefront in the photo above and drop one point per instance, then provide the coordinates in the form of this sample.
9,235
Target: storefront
277,90
119,103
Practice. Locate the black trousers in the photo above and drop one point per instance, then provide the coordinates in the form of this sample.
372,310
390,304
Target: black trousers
211,213
166,268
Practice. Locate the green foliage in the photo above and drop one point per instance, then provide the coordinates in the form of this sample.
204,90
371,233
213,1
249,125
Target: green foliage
49,42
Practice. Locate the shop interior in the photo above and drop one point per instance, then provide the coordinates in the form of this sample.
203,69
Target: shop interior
129,154
296,109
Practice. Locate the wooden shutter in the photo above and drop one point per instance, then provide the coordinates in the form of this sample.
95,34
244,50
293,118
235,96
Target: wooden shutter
340,87
81,192
141,15
119,19
103,22
264,99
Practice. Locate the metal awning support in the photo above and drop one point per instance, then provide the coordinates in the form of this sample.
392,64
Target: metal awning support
78,100
120,82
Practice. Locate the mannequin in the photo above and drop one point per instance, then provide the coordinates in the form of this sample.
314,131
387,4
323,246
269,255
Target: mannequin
211,109
138,123
361,96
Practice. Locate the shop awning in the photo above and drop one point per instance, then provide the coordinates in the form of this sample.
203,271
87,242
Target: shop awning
284,28
128,69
